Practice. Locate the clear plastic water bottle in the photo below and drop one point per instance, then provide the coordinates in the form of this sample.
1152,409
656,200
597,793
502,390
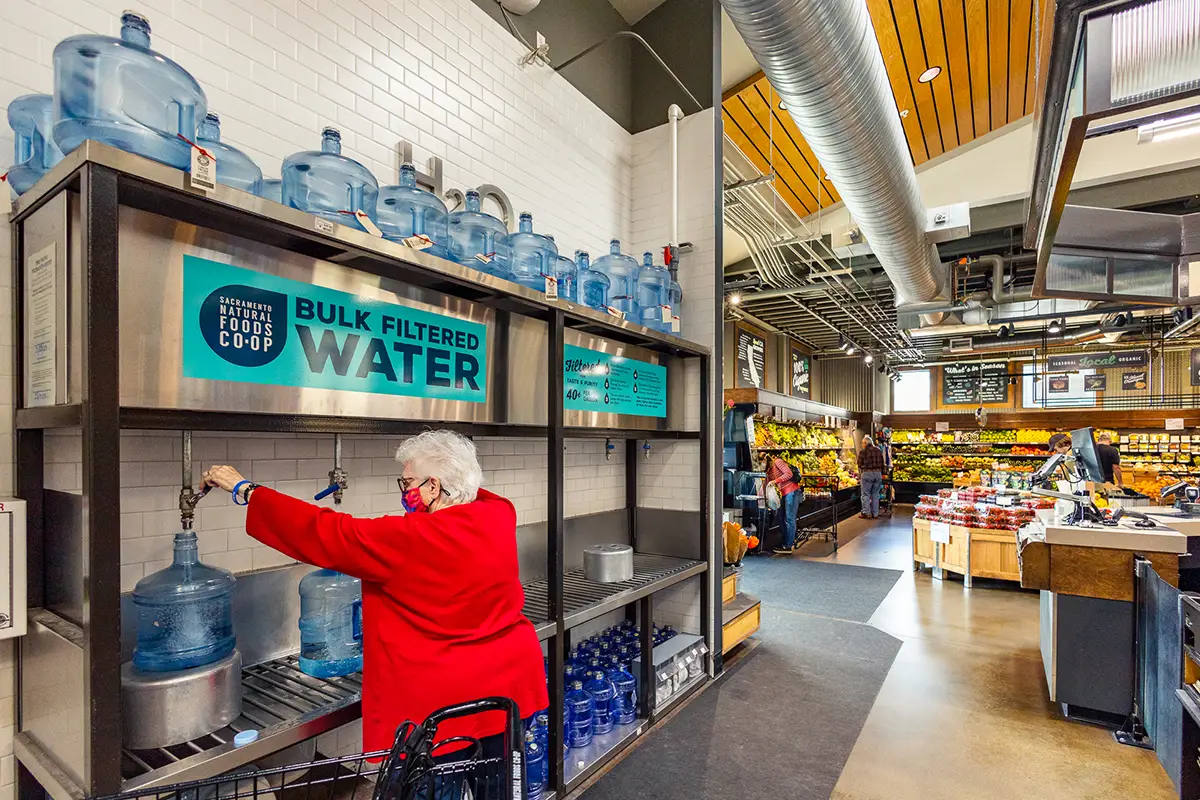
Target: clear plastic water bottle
31,117
328,184
654,294
593,285
531,257
622,272
234,168
579,709
676,300
185,616
406,210
330,624
566,272
121,93
601,690
474,237
535,767
625,695
272,189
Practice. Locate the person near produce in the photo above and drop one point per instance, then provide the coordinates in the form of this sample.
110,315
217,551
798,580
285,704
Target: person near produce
779,473
870,477
1110,459
1060,443
442,600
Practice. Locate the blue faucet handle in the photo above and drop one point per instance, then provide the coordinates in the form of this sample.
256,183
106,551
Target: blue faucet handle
328,490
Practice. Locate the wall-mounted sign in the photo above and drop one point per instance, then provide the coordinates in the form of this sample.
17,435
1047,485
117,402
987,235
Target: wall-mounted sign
595,381
1195,368
246,326
1059,384
971,384
1174,424
751,360
1133,381
1123,358
801,384
941,427
1096,382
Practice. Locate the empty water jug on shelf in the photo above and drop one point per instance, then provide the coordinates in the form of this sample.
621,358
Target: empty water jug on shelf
185,616
529,256
234,168
594,286
272,189
475,236
330,624
654,295
328,184
578,709
119,92
31,117
406,210
622,272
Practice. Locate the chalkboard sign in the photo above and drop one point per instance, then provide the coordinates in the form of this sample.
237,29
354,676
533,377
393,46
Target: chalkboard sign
971,384
1097,382
1133,381
801,383
1059,384
751,360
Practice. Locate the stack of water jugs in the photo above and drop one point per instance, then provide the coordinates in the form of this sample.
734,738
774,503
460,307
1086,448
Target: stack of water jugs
601,692
164,114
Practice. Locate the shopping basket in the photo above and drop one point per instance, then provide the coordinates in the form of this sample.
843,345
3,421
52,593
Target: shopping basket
413,769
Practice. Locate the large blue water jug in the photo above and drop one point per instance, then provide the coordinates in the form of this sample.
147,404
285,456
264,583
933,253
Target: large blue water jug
122,93
272,189
407,210
566,272
234,168
531,257
654,294
594,286
31,117
328,184
601,690
578,708
535,766
624,704
330,624
475,237
185,617
622,272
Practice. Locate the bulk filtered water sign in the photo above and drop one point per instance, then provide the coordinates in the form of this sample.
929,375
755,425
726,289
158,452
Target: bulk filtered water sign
241,325
595,381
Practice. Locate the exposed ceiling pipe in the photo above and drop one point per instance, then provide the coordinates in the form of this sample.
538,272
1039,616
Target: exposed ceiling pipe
822,57
1000,295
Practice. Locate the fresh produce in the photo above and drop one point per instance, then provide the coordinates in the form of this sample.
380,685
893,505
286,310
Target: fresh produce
906,436
1032,436
769,433
998,436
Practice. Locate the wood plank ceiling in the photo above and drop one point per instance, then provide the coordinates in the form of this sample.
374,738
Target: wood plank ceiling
983,48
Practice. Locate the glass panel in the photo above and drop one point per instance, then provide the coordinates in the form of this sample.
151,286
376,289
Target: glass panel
1143,277
911,392
1155,50
1077,273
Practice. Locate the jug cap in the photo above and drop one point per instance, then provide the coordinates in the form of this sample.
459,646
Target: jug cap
329,130
243,738
128,15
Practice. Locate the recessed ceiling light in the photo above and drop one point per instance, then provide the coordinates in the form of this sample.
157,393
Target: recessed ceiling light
929,74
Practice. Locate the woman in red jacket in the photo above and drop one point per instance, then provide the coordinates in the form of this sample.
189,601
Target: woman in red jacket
442,598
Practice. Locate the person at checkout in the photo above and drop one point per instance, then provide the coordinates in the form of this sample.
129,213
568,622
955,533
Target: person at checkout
1060,444
442,599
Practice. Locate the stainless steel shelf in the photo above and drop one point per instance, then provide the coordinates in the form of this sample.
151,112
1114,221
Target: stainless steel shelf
579,765
278,700
584,600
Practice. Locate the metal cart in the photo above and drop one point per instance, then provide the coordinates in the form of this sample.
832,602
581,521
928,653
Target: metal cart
809,524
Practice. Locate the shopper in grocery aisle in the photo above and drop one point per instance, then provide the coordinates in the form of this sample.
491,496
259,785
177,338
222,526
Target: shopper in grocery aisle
870,477
1110,459
442,600
779,473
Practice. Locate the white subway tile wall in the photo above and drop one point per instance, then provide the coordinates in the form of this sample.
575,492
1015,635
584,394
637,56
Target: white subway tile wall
679,606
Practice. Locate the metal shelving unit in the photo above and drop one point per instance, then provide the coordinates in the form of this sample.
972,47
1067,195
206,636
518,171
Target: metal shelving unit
94,191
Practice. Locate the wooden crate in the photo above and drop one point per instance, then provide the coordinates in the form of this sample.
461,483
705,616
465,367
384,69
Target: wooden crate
922,547
741,627
728,587
992,553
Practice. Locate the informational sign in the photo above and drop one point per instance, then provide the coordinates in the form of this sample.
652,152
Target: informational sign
1134,381
595,381
751,360
1195,368
1123,358
1004,500
1096,382
246,326
41,338
970,384
1174,424
941,427
801,385
1059,384
939,532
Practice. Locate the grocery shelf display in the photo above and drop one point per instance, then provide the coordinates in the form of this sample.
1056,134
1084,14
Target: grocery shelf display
814,450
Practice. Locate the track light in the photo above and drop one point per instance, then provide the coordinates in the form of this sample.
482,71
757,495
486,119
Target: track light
1055,326
1005,331
851,349
868,358
882,369
1122,319
735,299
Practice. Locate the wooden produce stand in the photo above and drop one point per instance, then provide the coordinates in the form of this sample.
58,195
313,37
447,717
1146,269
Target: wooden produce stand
971,552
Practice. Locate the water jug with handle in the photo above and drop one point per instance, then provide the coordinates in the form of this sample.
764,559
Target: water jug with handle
330,624
566,272
328,184
622,272
654,294
578,709
475,237
601,690
406,210
531,257
272,189
594,286
234,168
185,615
119,92
31,117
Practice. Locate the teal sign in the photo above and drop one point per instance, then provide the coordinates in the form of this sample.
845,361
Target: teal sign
241,325
595,381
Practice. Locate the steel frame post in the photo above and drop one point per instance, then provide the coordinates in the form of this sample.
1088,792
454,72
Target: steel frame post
554,531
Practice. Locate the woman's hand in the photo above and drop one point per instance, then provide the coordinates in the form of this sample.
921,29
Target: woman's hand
222,477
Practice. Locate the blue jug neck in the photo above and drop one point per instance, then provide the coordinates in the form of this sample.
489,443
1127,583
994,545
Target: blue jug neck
472,201
408,176
331,141
526,223
135,29
582,259
647,259
614,247
187,552
210,128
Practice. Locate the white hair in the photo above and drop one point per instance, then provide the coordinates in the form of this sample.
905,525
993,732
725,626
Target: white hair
447,456
866,440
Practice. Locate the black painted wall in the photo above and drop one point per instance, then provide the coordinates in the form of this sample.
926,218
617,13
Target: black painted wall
681,32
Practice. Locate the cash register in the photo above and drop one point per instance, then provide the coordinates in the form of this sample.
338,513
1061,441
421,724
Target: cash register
1070,480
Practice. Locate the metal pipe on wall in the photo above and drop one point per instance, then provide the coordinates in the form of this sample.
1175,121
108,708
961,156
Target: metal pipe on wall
674,114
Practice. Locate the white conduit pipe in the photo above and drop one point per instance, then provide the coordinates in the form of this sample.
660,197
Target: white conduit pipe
674,114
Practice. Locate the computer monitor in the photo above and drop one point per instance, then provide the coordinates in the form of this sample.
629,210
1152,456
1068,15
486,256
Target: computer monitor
1087,457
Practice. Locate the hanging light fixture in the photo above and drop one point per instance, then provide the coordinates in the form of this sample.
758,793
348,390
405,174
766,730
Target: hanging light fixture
868,358
1055,326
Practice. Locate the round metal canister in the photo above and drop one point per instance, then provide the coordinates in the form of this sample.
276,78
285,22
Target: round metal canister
159,709
608,563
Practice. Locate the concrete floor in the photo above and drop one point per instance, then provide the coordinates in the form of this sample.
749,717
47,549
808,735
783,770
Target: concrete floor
963,713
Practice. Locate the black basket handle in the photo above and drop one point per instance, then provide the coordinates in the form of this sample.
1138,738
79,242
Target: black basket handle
514,741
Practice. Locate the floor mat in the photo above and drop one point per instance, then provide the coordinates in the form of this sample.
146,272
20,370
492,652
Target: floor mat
840,591
780,724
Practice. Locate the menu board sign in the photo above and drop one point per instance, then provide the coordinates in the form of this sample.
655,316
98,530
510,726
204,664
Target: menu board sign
1095,383
970,384
751,360
1123,358
801,384
1059,384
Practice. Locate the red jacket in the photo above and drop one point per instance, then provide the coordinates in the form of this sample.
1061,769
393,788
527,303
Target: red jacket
442,601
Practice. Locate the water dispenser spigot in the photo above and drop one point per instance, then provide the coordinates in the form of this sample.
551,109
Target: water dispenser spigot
608,449
646,450
339,479
189,497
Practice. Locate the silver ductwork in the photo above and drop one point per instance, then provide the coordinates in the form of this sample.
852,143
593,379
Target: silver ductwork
823,60
1029,341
